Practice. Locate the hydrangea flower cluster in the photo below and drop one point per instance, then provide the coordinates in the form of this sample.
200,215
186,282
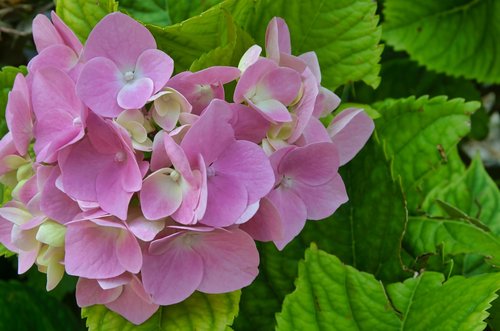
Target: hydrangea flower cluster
149,187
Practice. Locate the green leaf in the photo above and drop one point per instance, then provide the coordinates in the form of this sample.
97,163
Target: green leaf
7,77
459,38
332,296
25,308
82,15
182,10
418,135
427,304
147,11
474,193
210,312
188,41
343,33
454,236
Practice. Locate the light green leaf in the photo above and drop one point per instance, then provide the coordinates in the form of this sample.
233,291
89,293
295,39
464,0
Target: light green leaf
7,76
25,308
188,41
147,11
474,193
459,38
182,10
332,296
428,304
82,15
419,135
210,312
453,236
343,33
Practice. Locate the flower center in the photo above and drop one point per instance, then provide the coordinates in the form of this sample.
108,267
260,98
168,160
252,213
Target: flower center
210,171
129,75
287,182
175,175
77,121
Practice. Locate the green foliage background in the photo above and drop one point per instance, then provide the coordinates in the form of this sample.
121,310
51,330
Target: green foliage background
417,247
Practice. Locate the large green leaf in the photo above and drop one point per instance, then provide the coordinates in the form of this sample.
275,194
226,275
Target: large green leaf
147,11
7,76
343,33
82,15
453,236
428,304
332,296
210,312
457,37
475,193
182,10
188,41
418,135
27,309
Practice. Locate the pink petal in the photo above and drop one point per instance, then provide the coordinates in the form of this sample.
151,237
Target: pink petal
26,260
277,38
129,252
178,157
88,293
120,39
156,65
226,202
44,33
5,234
326,102
304,109
159,157
67,35
96,249
230,260
248,124
160,196
251,77
281,84
350,130
313,164
104,73
135,94
246,163
114,282
58,111
314,132
132,303
311,59
250,57
210,135
214,75
293,214
323,200
18,115
266,224
110,192
174,275
142,228
58,56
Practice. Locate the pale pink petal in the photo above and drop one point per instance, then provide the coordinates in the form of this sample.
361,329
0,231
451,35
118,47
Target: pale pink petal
18,115
311,59
214,75
159,157
135,94
110,191
129,252
251,77
88,293
58,56
143,229
323,200
248,124
293,214
248,213
210,135
160,196
230,260
26,260
44,33
326,102
104,73
313,164
68,36
277,38
250,57
178,157
119,38
226,202
350,130
272,110
5,234
314,132
266,224
246,163
132,305
108,283
174,275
